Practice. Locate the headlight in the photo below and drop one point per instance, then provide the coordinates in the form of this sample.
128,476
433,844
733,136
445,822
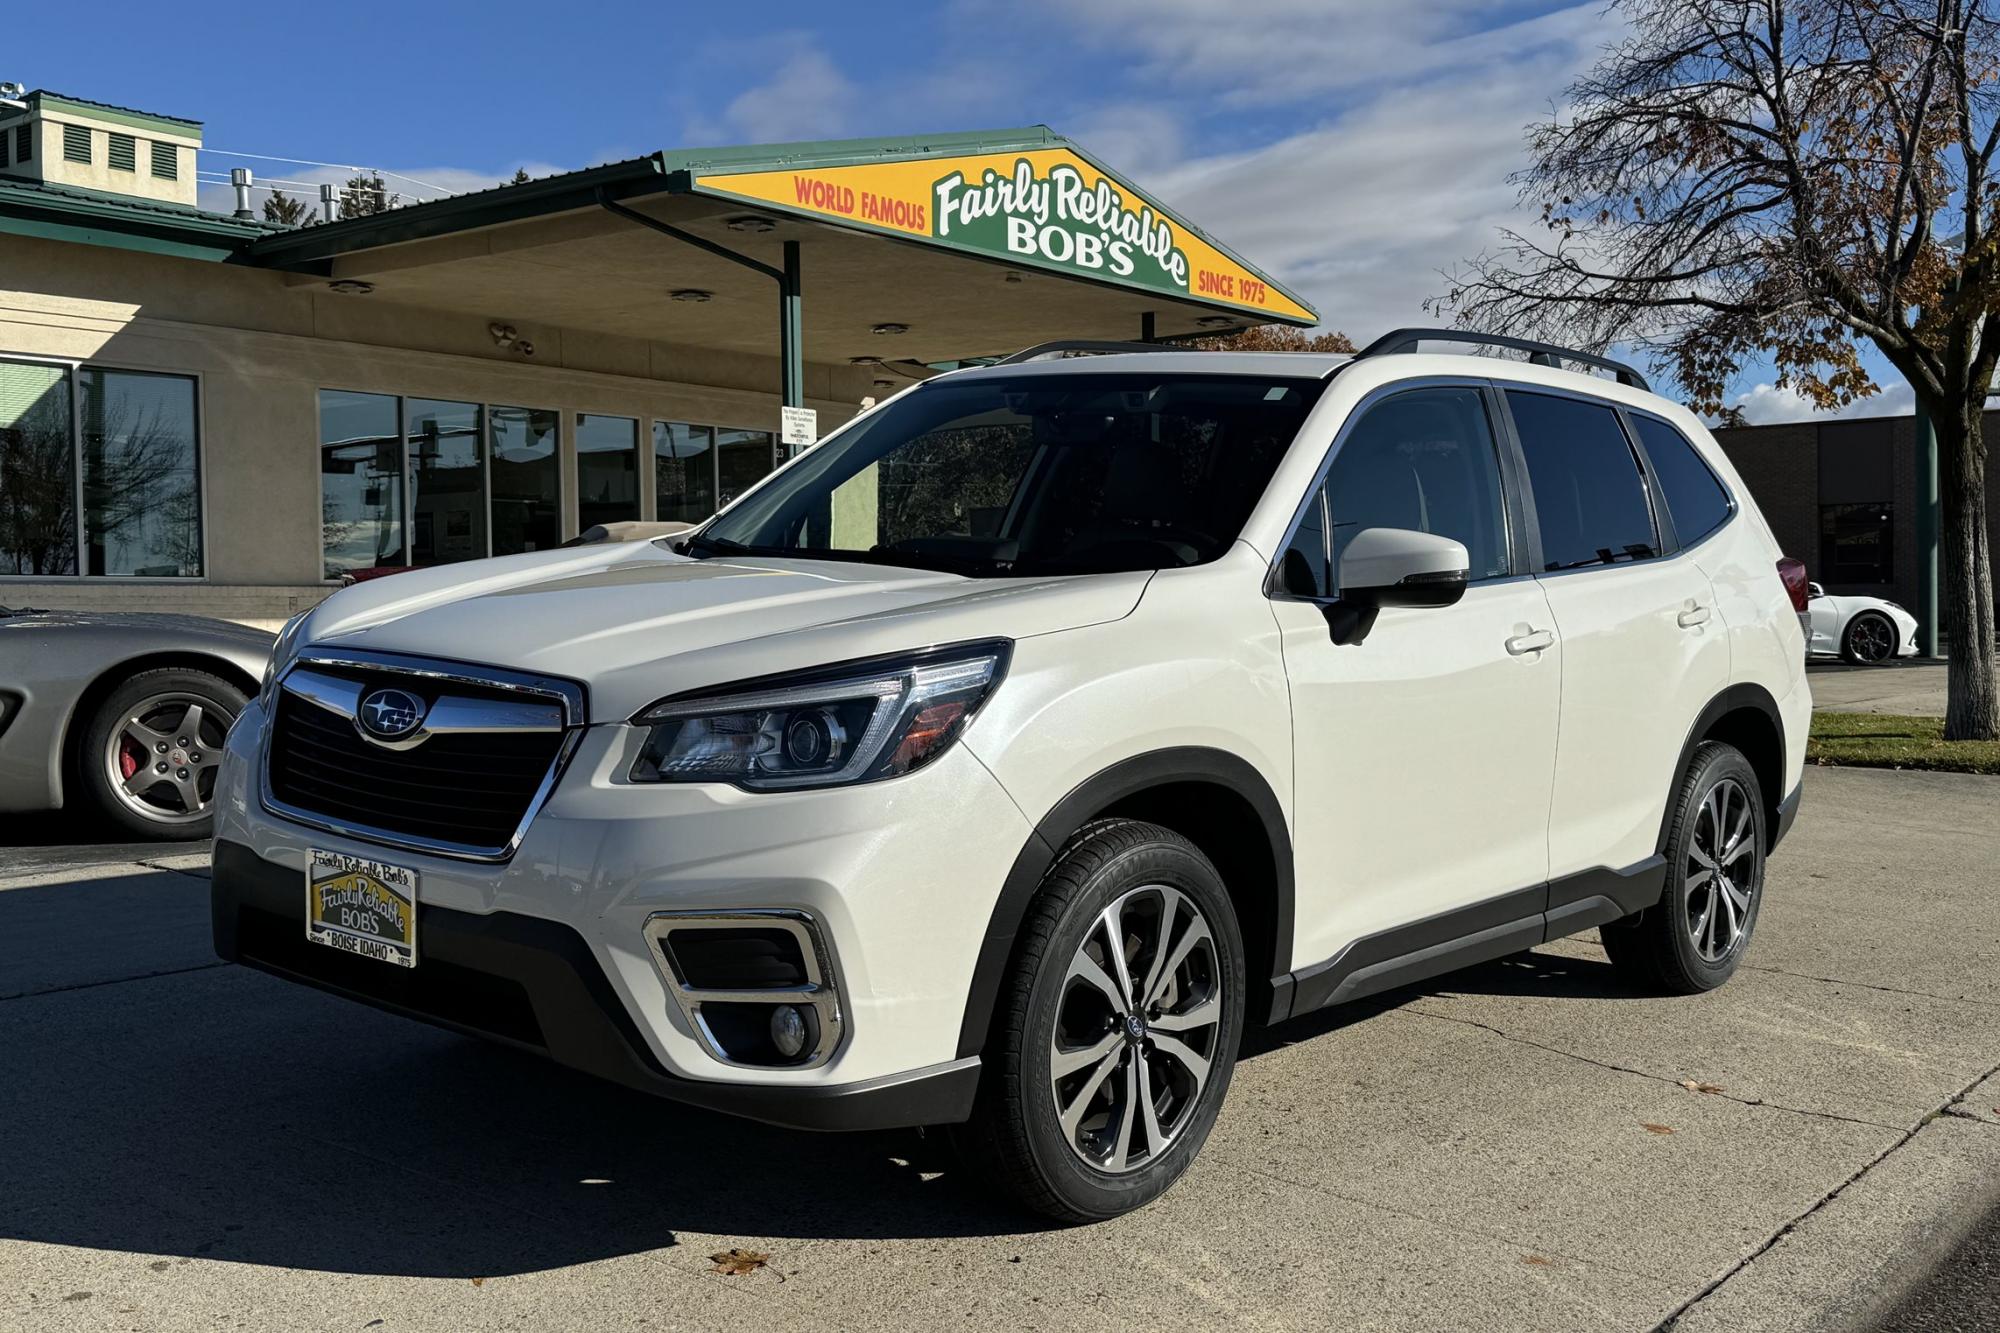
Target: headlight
281,654
851,723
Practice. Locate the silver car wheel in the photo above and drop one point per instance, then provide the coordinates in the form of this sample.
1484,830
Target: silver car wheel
162,757
1722,871
1136,1029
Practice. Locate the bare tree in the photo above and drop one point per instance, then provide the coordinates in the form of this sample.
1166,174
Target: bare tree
1784,177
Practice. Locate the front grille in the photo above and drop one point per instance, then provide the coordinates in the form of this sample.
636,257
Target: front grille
467,790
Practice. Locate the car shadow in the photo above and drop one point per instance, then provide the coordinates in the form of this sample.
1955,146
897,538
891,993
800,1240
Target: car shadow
216,1112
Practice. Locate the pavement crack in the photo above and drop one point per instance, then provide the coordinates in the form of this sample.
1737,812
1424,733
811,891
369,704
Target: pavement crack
1640,1073
1674,1316
1866,985
192,872
112,981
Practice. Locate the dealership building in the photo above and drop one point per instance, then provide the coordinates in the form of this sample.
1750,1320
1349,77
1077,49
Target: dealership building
203,412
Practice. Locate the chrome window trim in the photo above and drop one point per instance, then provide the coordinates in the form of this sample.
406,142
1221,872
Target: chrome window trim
567,693
822,991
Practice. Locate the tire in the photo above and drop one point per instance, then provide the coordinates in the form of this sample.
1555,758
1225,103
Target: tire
1681,946
1095,1166
146,716
1869,639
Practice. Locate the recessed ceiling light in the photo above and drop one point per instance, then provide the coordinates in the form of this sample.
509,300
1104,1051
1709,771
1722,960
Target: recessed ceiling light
752,223
694,294
350,287
890,330
1013,275
1216,322
862,360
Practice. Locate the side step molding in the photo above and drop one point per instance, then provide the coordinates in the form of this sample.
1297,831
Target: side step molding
1470,935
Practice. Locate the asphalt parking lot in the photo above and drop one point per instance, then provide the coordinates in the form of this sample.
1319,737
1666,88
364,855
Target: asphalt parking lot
1911,686
190,1145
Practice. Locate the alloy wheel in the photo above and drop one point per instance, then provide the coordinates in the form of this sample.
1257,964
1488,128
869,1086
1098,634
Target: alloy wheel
1136,1029
1724,870
1870,639
163,757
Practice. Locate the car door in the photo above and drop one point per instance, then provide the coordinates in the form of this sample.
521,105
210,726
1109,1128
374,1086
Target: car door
1644,649
1423,754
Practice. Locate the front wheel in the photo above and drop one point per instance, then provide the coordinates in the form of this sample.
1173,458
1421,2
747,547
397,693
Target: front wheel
1117,1030
149,758
1693,939
1870,639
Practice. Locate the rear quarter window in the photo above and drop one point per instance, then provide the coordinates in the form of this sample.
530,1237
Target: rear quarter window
1695,496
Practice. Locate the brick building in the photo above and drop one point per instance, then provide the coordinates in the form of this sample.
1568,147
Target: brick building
1842,496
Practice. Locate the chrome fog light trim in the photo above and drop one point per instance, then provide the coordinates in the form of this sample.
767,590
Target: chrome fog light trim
820,993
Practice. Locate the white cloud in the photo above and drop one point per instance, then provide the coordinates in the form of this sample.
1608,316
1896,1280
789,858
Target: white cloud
1768,404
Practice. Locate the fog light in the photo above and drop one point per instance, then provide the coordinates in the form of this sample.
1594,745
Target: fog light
788,1031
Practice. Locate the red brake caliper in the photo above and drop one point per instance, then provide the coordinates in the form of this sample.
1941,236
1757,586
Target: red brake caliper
130,756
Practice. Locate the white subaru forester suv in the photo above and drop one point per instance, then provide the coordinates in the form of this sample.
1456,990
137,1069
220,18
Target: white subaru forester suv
998,761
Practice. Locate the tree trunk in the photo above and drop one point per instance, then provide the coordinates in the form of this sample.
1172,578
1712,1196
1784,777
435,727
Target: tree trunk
1965,573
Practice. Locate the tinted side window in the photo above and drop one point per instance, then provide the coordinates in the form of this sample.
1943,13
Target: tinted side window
1694,497
1590,499
1422,460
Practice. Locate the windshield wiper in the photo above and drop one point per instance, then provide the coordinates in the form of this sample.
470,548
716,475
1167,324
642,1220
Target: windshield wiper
702,543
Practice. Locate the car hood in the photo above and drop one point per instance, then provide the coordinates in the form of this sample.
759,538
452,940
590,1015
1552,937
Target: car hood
637,622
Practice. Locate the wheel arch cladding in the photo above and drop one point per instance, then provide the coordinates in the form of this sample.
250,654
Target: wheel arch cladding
1746,717
1214,799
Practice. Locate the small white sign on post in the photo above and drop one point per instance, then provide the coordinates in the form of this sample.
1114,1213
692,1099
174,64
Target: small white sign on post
800,427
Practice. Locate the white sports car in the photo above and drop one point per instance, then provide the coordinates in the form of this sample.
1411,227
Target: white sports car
1864,630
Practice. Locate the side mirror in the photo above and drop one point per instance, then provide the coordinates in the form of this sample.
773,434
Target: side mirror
1814,590
1394,567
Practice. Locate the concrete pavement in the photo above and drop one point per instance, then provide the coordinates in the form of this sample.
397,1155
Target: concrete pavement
195,1146
1906,687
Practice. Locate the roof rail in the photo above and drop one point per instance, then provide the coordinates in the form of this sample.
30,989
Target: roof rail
1539,353
1062,345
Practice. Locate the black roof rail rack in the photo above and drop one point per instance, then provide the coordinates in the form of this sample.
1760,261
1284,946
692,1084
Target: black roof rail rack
1079,345
1539,353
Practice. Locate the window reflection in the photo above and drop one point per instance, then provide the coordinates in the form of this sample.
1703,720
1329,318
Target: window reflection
447,481
683,471
37,470
607,470
361,482
141,488
742,459
526,501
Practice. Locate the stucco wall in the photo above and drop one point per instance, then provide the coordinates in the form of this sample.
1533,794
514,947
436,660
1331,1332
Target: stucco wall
262,346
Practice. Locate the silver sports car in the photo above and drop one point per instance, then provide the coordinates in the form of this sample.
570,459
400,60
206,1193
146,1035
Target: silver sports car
123,711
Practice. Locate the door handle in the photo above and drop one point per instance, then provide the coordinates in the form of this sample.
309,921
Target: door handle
1532,642
1694,615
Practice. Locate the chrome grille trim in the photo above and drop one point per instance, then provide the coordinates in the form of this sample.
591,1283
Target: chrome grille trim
567,712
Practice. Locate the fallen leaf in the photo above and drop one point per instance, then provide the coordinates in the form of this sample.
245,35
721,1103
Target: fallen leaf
1656,1129
736,1263
479,1282
1537,1261
1693,1086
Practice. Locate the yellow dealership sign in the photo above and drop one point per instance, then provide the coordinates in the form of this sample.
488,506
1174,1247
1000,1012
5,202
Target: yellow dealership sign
1048,208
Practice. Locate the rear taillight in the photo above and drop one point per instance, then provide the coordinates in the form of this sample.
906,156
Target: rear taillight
1793,573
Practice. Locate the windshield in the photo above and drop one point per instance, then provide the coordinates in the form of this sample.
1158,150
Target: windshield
1031,474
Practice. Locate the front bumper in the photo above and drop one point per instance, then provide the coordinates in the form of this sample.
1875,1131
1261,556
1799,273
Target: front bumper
533,984
901,877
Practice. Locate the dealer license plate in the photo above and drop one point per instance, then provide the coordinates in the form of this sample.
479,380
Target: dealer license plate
362,907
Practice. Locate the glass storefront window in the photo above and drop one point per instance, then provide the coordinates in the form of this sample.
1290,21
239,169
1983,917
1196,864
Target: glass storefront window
742,459
447,481
607,470
683,472
361,482
141,480
37,470
527,514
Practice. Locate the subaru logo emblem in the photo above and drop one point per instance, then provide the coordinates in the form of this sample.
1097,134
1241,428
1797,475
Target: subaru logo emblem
389,715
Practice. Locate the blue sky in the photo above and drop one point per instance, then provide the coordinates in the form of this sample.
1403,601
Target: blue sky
1353,149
